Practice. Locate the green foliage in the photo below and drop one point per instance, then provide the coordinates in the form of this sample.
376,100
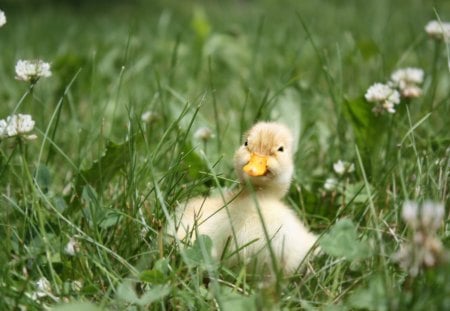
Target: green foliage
157,275
102,170
127,293
233,301
366,128
43,177
100,176
74,306
371,298
199,254
200,24
342,241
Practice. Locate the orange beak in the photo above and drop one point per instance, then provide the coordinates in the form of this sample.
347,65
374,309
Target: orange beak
257,166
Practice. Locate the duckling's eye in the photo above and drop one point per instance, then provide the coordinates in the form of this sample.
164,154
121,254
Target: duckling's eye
246,143
281,149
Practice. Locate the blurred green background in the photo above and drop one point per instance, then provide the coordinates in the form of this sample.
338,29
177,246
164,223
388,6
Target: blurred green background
224,65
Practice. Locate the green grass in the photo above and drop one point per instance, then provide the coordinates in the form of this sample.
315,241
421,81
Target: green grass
100,175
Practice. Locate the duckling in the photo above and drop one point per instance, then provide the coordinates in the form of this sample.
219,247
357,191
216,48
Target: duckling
253,224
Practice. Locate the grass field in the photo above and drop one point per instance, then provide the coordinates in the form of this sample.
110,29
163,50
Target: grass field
84,205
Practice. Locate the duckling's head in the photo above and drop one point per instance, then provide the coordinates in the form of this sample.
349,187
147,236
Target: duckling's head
265,159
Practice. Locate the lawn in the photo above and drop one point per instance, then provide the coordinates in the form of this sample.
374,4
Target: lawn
147,102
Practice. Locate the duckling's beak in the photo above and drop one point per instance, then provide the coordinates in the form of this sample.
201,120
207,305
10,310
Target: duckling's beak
257,166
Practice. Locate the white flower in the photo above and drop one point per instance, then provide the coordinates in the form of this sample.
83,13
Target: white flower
203,133
11,126
2,18
27,70
330,184
72,247
149,117
383,96
25,123
342,167
426,217
3,126
339,167
76,285
411,91
407,80
43,287
432,215
380,92
17,125
408,75
438,30
410,212
424,248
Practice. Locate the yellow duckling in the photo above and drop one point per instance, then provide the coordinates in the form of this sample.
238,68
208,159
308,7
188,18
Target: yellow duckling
253,224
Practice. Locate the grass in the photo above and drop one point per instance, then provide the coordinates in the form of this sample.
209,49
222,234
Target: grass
99,175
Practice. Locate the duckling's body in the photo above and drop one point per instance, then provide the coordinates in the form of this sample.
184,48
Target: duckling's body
253,224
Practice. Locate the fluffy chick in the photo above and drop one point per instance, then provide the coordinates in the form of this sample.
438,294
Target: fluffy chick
253,224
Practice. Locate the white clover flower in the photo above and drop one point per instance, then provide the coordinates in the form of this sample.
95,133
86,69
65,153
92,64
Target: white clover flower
424,249
330,184
11,127
17,125
407,81
43,288
411,91
149,117
76,285
72,247
25,123
438,30
33,70
426,217
383,96
380,92
339,167
432,215
408,75
203,133
3,126
342,167
2,18
410,211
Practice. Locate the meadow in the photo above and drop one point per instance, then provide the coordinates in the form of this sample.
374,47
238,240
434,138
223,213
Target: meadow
144,108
